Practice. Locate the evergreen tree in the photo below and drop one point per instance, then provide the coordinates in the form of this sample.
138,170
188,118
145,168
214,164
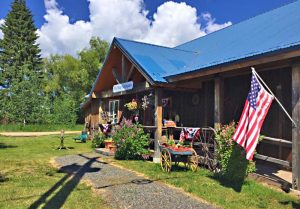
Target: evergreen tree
20,67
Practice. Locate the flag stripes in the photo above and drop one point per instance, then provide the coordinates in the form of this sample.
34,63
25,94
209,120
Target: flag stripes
255,110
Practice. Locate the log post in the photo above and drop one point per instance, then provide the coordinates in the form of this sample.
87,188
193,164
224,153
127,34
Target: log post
158,124
296,130
219,98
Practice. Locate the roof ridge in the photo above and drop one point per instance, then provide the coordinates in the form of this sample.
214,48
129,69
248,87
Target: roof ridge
233,25
139,42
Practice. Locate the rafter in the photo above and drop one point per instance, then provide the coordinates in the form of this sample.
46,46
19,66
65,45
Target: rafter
116,75
129,73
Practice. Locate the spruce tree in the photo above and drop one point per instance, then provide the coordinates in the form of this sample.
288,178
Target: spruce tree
20,66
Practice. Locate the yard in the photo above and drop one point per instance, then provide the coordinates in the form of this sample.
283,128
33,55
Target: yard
29,181
205,186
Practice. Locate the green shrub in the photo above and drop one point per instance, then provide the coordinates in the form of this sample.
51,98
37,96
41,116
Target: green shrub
131,141
231,157
98,140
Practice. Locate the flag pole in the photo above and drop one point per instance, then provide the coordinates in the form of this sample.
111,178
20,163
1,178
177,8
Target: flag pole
284,110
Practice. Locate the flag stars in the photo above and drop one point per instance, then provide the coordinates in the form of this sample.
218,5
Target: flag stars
253,94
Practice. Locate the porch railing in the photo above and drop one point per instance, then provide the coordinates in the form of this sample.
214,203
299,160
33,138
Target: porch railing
271,140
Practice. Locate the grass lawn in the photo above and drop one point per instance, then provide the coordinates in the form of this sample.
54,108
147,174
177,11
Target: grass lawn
29,181
40,127
203,185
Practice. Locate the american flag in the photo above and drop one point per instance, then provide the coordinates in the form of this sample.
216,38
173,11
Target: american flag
255,110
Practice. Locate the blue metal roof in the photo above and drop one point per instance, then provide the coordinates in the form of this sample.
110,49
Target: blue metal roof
268,32
156,61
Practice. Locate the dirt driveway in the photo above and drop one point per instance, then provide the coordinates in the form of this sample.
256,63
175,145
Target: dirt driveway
30,134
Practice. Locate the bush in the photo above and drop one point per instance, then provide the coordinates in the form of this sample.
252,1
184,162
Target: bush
131,141
98,140
231,157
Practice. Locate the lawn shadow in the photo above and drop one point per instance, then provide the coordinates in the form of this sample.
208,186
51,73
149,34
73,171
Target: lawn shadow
74,174
3,178
5,146
235,174
290,202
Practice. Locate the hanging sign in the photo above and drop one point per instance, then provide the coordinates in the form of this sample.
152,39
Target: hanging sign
123,87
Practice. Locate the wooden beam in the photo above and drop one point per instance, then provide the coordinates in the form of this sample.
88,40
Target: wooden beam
136,66
257,60
130,73
259,68
116,75
296,130
273,160
123,77
219,100
158,124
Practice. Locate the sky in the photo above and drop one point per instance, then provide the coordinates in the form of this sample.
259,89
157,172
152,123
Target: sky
66,26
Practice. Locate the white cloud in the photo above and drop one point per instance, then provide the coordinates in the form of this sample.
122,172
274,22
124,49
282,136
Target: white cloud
211,26
1,22
173,23
121,18
58,36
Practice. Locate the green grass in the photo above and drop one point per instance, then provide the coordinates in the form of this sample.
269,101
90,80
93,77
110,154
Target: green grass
26,175
204,185
40,127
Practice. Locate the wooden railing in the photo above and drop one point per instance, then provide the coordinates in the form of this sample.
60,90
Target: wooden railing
271,140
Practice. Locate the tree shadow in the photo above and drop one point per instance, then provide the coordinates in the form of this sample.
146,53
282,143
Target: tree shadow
5,146
143,181
235,174
74,174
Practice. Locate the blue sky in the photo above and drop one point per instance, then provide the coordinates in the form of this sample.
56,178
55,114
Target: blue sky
230,10
70,18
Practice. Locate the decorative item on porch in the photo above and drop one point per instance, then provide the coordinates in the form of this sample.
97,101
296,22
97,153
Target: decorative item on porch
104,116
110,145
172,153
165,101
106,129
145,102
132,106
169,123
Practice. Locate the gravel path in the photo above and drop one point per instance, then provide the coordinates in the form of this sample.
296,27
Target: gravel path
125,189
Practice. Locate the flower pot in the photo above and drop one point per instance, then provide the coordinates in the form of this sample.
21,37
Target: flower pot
113,148
108,143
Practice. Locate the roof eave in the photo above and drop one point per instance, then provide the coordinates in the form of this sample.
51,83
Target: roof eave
238,63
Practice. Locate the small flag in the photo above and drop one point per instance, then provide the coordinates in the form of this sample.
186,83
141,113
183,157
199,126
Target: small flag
255,110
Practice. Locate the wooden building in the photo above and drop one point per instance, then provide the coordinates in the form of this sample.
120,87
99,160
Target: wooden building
206,81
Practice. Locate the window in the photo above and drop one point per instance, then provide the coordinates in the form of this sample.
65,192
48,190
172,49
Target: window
113,111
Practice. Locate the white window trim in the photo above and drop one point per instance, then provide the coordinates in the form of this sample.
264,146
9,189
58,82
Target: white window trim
113,117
